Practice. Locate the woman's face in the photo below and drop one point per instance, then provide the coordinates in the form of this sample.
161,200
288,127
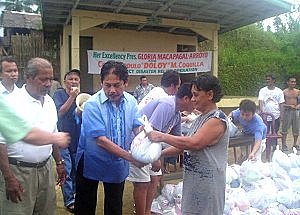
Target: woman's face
200,98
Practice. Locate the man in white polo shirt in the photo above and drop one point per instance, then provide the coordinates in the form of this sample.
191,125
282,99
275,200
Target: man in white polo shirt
9,76
28,179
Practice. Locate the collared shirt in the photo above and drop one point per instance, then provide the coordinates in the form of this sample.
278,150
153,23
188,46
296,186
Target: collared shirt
140,91
155,93
102,118
12,127
67,122
38,115
4,91
163,116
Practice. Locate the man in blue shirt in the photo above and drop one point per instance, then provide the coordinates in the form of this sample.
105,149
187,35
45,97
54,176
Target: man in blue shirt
252,124
108,120
69,121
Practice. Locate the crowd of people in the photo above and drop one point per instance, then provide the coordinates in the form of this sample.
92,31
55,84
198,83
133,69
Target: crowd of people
93,145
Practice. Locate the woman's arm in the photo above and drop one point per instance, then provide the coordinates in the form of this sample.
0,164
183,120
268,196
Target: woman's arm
209,134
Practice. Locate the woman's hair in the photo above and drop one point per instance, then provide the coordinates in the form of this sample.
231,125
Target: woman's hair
208,82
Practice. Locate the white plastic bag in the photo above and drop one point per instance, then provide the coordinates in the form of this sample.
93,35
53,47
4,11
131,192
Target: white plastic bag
232,129
142,149
281,158
250,172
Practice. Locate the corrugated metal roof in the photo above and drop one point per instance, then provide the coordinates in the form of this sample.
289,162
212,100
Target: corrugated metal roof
229,14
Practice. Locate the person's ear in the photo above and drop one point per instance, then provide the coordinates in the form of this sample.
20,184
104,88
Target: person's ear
210,94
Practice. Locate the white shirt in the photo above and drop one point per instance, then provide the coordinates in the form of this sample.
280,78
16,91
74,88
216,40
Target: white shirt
155,93
4,91
42,116
271,100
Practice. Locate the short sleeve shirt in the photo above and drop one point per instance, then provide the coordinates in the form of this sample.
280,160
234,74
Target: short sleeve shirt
43,116
255,126
163,116
271,100
12,127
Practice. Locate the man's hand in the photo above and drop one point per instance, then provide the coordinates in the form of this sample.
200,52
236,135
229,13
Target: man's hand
156,165
155,136
252,157
61,174
74,92
61,139
137,163
14,189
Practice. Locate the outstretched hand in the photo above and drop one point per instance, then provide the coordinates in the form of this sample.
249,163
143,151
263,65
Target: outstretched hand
61,139
155,136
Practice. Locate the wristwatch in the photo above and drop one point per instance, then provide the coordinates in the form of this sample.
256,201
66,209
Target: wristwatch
60,162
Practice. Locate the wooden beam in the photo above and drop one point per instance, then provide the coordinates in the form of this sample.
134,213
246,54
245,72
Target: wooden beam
87,22
75,43
215,68
205,33
112,17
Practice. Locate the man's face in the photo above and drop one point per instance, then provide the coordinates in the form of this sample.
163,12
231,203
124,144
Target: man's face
72,80
40,85
9,72
270,81
174,88
246,115
144,82
184,104
113,87
292,83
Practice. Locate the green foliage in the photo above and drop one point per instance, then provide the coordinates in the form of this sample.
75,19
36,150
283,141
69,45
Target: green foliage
247,54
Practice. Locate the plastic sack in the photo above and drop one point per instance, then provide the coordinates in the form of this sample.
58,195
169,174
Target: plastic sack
142,149
232,173
294,173
294,159
163,203
168,192
232,129
289,198
250,172
258,199
281,158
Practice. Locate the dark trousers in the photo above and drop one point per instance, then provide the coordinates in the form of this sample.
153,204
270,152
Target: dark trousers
86,195
276,128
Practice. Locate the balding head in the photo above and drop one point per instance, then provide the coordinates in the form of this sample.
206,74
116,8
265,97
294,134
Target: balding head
35,65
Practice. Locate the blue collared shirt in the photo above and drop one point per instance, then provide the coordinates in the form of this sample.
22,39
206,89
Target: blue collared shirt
102,118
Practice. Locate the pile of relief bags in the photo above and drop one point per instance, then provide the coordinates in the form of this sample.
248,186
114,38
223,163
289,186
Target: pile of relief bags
251,189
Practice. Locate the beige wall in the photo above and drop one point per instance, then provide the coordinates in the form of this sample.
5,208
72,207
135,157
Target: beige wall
125,40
